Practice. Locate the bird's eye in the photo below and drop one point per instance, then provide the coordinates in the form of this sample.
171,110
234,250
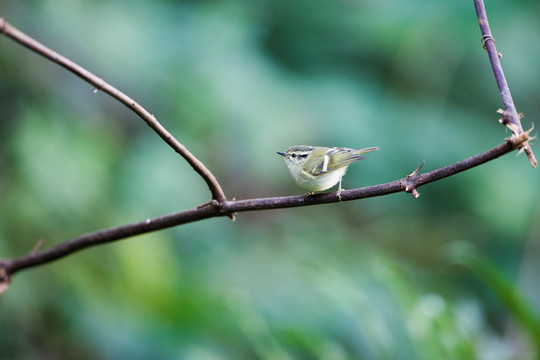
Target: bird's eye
293,155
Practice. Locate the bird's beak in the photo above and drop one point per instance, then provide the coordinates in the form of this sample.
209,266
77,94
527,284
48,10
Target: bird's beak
281,153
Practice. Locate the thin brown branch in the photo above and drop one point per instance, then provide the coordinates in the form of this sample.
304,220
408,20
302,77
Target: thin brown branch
219,206
101,85
410,183
511,118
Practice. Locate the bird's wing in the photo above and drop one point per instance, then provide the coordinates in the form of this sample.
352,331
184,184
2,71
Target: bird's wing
335,158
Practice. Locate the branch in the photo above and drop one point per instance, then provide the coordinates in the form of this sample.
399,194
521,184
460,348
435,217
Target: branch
219,206
410,184
510,118
100,84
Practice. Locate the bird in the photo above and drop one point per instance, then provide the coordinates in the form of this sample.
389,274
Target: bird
318,168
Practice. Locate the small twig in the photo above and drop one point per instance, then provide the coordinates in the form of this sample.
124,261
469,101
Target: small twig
511,118
8,267
37,246
100,84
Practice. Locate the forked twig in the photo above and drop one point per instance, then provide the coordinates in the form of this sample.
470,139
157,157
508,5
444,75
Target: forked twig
511,118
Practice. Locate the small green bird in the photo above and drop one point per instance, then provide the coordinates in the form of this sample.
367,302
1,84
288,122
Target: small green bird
317,168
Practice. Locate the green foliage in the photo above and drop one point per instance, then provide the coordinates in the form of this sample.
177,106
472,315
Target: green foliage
451,275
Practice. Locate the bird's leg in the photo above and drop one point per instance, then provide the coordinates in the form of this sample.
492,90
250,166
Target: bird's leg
339,190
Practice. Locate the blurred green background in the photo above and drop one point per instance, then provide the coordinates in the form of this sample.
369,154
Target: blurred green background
451,275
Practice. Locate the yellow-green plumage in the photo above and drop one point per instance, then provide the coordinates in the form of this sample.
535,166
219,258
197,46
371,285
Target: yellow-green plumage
317,168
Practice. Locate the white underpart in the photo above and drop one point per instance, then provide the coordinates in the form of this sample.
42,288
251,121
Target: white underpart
319,182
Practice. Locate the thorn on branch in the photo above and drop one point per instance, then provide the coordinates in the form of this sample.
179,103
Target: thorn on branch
37,246
410,186
518,140
4,278
415,172
532,138
415,193
218,205
506,121
233,215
